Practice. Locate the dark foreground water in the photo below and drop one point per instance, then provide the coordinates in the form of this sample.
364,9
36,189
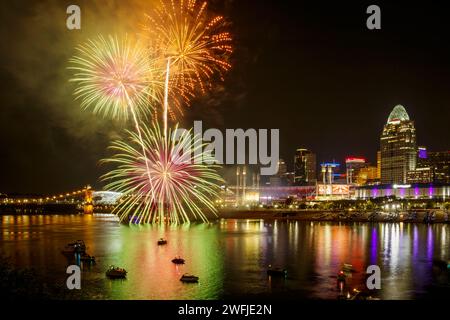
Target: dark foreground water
230,256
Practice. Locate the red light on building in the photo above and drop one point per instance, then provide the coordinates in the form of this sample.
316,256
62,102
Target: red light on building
355,160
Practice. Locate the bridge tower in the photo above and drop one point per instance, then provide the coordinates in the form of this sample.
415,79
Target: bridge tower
88,201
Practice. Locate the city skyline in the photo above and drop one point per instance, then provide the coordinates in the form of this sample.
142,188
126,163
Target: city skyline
318,74
398,116
199,154
399,112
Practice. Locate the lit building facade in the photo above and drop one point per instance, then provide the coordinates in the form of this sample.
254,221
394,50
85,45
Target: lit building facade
420,175
406,191
305,168
353,166
328,170
367,175
398,147
378,165
431,167
280,179
440,165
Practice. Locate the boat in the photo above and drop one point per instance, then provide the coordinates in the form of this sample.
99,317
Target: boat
360,295
348,268
116,273
87,258
79,246
276,272
68,250
188,278
74,247
162,242
178,260
341,277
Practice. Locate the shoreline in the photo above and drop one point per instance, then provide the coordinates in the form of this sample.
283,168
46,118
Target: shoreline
430,216
424,216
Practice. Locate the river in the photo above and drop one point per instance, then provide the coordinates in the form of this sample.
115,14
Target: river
230,256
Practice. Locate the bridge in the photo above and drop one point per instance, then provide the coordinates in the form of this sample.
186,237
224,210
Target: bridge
84,200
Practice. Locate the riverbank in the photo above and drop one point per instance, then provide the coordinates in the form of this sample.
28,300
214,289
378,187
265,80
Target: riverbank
425,216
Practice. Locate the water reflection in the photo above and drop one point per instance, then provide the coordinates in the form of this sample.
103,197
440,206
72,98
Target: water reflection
230,257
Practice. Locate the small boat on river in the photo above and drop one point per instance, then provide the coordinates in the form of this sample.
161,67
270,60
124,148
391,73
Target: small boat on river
162,242
116,273
276,272
74,247
178,260
188,278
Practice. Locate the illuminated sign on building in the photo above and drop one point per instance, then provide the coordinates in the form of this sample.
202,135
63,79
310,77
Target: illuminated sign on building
333,190
355,160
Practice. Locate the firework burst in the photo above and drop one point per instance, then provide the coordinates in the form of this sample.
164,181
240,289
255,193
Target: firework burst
115,77
184,187
196,44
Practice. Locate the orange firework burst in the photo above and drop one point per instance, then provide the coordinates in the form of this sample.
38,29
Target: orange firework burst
197,45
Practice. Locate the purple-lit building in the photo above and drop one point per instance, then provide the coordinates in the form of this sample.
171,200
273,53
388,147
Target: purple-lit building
406,191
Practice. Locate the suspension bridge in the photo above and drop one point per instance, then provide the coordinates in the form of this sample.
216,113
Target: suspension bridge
84,200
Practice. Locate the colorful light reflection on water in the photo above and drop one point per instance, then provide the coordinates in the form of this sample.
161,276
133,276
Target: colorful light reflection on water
230,257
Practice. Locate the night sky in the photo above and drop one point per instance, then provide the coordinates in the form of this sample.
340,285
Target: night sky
310,68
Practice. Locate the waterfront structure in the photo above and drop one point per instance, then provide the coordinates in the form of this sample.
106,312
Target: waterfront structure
378,165
420,175
353,165
440,164
105,197
328,192
290,177
268,195
282,168
422,154
367,175
328,172
304,168
431,167
404,191
280,179
398,147
241,184
331,188
246,187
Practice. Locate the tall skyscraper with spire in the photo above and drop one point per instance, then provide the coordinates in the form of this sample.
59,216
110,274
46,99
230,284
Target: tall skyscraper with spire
398,147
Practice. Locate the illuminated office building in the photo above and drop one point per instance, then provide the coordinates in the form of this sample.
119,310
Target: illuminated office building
398,147
304,168
378,165
353,166
431,167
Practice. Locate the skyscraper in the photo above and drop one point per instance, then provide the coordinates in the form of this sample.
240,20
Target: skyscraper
280,178
304,167
379,165
398,147
282,168
353,165
431,167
